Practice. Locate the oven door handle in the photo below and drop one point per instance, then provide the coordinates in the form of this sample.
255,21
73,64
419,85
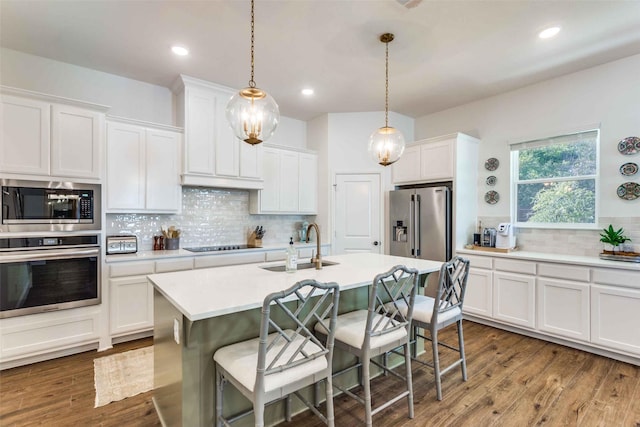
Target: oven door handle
49,254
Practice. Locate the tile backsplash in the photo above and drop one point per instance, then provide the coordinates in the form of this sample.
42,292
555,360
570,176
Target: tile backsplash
570,242
210,216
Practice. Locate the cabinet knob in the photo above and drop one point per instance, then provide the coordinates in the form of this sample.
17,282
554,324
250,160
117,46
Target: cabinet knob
376,243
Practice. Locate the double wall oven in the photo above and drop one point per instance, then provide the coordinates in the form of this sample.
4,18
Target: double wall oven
50,253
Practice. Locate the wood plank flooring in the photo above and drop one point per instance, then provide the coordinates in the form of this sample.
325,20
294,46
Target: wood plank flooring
513,381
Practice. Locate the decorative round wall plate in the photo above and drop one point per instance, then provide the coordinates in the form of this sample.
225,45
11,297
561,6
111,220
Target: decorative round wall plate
491,180
491,197
629,145
491,164
629,169
628,191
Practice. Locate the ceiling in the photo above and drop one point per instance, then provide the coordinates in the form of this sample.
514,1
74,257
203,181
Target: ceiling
445,53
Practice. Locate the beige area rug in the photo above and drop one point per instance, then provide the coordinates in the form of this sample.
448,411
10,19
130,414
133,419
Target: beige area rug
123,375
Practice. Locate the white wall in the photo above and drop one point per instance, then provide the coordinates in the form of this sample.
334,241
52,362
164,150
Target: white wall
126,97
290,133
608,95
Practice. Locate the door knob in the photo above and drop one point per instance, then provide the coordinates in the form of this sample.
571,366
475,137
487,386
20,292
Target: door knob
376,243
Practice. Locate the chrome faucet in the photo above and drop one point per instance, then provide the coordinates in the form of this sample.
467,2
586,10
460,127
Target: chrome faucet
317,259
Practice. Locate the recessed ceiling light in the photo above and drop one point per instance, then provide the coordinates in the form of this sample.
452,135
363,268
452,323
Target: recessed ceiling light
179,50
307,91
549,32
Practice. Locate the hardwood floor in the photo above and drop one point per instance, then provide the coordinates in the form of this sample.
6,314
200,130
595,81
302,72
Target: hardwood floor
513,381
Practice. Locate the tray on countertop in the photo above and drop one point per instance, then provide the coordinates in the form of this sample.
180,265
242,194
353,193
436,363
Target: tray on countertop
490,249
630,257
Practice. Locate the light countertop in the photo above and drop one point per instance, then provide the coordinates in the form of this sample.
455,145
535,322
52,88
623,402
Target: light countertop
204,293
558,258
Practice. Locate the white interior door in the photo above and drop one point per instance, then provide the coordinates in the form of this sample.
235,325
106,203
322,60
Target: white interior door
357,215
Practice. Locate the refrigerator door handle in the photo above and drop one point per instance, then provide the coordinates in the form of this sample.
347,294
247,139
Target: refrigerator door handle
412,234
416,226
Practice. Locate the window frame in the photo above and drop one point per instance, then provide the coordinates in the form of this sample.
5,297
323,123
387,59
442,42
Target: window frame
515,181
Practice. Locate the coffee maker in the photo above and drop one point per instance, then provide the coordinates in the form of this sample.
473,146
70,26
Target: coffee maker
504,237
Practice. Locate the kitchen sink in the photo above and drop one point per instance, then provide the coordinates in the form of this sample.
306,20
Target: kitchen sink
301,266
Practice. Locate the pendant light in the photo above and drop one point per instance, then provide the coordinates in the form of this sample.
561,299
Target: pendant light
386,144
252,113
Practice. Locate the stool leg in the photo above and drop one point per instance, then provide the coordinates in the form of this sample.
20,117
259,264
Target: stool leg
219,395
436,362
463,365
367,392
407,364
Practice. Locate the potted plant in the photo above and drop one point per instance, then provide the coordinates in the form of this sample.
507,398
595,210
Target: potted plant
613,237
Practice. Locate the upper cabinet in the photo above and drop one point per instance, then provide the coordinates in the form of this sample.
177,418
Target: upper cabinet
213,156
427,161
43,135
290,183
143,167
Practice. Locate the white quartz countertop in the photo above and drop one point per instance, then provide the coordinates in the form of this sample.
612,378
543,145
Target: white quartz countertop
557,258
204,293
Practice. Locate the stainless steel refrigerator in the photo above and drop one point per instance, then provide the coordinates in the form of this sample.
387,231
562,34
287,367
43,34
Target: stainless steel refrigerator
421,222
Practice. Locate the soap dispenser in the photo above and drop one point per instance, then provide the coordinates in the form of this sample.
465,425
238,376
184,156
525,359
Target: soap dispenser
292,258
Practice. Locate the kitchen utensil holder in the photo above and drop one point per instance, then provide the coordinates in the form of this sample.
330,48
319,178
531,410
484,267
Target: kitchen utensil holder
172,243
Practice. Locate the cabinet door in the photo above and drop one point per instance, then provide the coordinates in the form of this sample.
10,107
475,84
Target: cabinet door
131,305
270,195
227,155
200,128
407,168
289,184
436,160
478,297
563,308
614,313
308,183
25,139
125,166
251,161
514,298
162,171
75,142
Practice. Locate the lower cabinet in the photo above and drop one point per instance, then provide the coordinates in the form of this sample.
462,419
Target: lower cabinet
563,308
614,317
131,298
514,298
478,297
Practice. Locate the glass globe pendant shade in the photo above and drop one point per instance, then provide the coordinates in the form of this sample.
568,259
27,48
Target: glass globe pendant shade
386,145
253,115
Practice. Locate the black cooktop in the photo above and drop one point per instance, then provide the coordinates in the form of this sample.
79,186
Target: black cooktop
218,248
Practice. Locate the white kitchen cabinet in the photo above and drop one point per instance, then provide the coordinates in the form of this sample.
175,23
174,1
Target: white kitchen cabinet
43,136
478,297
26,136
131,298
76,142
514,298
290,183
143,169
407,168
563,308
213,156
614,313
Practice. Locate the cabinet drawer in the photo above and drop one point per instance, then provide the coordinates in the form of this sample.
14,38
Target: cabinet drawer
524,267
131,269
228,259
479,261
617,277
174,265
564,271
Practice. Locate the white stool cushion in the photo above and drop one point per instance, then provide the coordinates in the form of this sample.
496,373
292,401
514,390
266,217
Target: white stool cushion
240,360
350,329
423,310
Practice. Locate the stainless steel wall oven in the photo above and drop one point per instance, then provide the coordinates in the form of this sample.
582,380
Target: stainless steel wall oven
48,273
49,206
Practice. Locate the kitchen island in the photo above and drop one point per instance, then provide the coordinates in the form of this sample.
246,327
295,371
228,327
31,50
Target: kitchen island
198,311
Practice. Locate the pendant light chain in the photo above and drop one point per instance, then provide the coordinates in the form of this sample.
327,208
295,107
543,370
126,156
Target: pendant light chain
252,83
386,87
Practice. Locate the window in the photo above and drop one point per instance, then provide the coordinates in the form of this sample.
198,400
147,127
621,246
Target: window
555,182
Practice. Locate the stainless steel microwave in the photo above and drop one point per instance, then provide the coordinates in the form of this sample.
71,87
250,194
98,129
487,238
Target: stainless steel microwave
50,206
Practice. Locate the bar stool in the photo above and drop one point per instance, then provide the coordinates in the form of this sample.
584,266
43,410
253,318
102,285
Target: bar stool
434,314
286,357
377,330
